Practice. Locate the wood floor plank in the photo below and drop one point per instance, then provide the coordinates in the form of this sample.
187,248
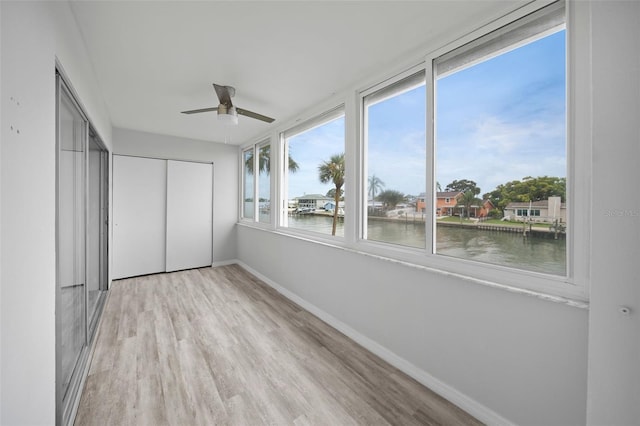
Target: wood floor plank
216,346
150,408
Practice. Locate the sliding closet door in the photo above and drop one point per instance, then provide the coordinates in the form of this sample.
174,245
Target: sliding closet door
189,215
139,215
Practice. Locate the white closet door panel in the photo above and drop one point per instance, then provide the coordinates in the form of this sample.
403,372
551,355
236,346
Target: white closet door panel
189,215
139,215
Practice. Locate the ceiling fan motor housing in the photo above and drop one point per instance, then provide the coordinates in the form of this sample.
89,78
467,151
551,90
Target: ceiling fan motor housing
227,114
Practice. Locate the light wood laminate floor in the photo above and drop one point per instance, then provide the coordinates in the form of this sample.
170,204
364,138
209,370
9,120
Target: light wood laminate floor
218,346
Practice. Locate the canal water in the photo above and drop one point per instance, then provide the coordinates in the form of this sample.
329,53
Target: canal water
501,248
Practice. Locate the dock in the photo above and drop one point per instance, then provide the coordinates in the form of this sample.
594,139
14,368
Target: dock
529,231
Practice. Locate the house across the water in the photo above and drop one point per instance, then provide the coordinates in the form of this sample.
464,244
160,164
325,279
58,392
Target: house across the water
548,210
312,201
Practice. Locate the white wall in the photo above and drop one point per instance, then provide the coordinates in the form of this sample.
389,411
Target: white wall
2,122
33,35
225,177
614,338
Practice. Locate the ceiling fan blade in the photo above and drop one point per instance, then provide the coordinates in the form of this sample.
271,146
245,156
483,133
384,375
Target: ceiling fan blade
195,111
224,93
255,115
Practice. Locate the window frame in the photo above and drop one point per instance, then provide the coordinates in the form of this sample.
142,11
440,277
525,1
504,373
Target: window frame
571,289
312,122
243,183
575,284
571,286
363,182
256,146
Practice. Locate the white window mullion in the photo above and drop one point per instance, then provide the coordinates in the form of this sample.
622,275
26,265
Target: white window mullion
256,183
430,197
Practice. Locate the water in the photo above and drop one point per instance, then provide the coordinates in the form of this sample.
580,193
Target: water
500,248
321,224
504,248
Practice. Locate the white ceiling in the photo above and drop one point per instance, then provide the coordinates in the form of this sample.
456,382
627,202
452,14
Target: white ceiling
154,59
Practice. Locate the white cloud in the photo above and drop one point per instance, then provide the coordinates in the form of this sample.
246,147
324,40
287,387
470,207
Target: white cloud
492,151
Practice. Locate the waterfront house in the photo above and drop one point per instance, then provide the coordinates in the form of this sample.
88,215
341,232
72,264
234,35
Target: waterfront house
548,210
485,208
480,211
312,201
446,201
330,205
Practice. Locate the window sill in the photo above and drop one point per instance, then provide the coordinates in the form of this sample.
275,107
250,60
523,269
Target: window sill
441,266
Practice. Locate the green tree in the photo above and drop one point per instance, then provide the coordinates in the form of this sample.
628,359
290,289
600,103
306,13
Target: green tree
264,161
375,186
463,185
332,193
333,171
528,189
390,198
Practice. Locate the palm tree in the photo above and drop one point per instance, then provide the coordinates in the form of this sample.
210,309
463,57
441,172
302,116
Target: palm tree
375,186
467,200
264,161
333,171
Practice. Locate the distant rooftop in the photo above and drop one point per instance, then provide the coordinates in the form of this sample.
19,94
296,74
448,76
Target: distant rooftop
448,194
526,204
313,197
442,194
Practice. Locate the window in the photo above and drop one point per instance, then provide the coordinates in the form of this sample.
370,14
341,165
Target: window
526,212
314,175
501,141
248,187
257,185
395,145
264,182
462,163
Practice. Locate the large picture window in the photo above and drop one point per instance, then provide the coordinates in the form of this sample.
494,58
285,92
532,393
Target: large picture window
463,163
315,175
501,146
395,141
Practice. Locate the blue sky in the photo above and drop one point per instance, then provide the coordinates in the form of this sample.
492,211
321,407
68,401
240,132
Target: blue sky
397,141
500,120
309,150
504,119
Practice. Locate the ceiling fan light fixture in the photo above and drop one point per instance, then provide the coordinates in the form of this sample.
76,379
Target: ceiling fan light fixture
227,115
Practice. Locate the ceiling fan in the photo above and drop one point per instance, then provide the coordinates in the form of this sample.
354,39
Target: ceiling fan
227,112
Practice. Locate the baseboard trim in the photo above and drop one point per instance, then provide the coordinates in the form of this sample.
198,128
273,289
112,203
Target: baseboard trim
468,404
225,263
